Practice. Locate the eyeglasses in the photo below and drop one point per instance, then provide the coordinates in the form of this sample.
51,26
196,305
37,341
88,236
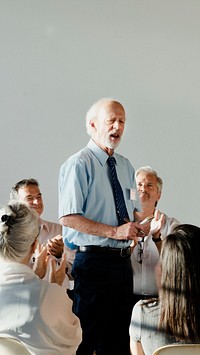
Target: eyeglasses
140,251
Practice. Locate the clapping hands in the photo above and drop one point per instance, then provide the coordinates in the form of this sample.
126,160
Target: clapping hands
55,246
57,273
157,223
42,258
41,261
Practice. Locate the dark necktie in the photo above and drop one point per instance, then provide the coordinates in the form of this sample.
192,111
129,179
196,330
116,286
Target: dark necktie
120,205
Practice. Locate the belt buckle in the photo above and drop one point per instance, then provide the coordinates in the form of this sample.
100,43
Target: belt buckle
123,252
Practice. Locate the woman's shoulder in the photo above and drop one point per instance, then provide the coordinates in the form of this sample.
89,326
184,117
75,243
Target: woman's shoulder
147,305
145,311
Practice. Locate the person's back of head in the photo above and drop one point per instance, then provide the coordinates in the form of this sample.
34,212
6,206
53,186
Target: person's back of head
19,228
180,283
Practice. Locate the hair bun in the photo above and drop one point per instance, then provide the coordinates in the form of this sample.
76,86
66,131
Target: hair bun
7,219
6,222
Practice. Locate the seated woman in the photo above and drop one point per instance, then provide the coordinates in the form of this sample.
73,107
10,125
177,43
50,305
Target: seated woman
175,317
34,311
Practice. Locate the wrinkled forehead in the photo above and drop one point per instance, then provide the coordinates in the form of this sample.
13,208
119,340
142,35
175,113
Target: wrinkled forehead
111,108
146,177
32,190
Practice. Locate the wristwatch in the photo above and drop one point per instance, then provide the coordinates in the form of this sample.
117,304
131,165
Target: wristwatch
156,240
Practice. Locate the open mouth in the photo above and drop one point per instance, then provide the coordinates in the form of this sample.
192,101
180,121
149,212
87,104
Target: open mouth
115,136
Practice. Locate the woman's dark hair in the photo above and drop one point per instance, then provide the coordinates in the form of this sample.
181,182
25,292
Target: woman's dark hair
180,283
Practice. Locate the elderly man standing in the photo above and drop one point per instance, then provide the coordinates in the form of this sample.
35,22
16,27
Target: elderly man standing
145,255
97,196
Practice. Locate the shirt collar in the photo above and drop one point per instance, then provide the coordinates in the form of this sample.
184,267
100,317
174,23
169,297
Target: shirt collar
98,152
43,224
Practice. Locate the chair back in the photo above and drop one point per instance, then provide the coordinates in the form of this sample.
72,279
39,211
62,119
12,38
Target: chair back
12,346
178,349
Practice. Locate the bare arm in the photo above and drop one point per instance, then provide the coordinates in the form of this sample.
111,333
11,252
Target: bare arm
136,348
129,230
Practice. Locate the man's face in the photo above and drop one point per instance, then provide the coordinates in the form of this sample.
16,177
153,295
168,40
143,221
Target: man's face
31,196
147,188
108,127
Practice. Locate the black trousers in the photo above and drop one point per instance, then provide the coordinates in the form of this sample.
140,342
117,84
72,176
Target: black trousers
103,300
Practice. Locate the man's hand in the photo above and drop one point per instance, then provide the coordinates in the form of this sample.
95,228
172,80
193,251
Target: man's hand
57,274
129,231
55,246
41,260
157,223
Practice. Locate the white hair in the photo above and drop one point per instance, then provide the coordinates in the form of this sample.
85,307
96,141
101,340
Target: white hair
149,170
93,111
19,228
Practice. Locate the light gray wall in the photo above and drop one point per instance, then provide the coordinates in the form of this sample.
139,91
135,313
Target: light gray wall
59,56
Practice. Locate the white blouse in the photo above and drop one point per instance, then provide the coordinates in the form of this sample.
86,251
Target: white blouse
37,312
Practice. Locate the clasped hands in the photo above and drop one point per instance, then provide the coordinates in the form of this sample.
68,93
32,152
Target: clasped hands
55,246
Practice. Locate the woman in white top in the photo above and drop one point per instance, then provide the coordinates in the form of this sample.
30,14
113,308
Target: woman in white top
175,316
34,311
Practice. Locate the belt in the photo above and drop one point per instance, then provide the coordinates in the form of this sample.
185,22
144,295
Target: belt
145,297
121,252
148,297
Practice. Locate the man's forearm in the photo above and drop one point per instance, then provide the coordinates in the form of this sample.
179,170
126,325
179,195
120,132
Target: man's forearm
87,226
129,230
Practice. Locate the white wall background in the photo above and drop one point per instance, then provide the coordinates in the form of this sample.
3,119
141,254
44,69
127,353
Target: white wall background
59,56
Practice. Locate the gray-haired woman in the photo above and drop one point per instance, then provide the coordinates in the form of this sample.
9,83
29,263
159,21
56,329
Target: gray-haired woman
32,310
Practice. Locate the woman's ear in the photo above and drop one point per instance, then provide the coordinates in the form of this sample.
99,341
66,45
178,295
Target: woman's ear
34,246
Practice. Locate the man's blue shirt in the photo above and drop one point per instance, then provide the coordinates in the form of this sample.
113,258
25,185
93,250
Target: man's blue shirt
85,189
